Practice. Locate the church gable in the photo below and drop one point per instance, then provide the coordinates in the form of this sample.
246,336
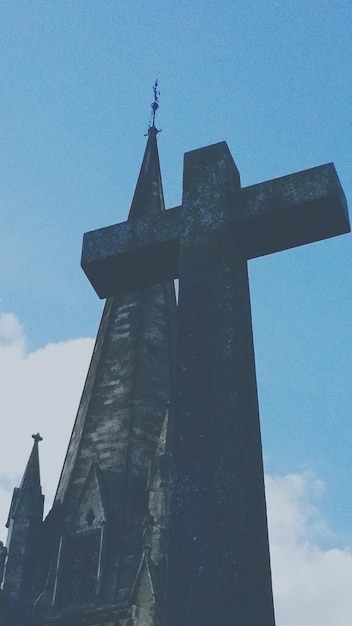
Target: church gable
90,512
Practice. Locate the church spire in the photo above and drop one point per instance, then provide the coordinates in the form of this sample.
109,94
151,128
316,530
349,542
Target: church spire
103,485
148,196
29,490
92,540
31,476
24,521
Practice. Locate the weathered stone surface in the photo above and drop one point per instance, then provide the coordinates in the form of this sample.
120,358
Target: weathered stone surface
156,261
218,547
268,217
291,211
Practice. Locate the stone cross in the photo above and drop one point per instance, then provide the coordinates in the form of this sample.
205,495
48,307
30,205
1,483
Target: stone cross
218,564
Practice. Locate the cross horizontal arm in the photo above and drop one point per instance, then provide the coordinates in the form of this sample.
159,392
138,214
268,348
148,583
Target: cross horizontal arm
291,211
271,216
133,254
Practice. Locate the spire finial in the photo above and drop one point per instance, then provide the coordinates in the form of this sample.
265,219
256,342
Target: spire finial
154,107
37,438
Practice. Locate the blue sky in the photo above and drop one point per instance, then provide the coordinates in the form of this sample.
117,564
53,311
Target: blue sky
274,79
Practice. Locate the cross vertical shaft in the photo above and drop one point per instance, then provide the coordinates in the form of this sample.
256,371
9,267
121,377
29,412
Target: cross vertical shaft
218,567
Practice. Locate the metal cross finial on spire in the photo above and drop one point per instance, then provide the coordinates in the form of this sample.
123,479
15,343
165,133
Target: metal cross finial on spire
37,438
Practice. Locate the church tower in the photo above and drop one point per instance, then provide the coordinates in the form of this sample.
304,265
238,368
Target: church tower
100,553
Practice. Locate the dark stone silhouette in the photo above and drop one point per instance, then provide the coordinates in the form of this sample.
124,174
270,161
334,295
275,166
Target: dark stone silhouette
218,568
159,517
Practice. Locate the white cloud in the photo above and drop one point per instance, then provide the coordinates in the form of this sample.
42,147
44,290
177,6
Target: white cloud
11,332
312,584
40,392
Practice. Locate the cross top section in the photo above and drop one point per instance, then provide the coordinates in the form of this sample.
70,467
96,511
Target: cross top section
37,438
267,217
